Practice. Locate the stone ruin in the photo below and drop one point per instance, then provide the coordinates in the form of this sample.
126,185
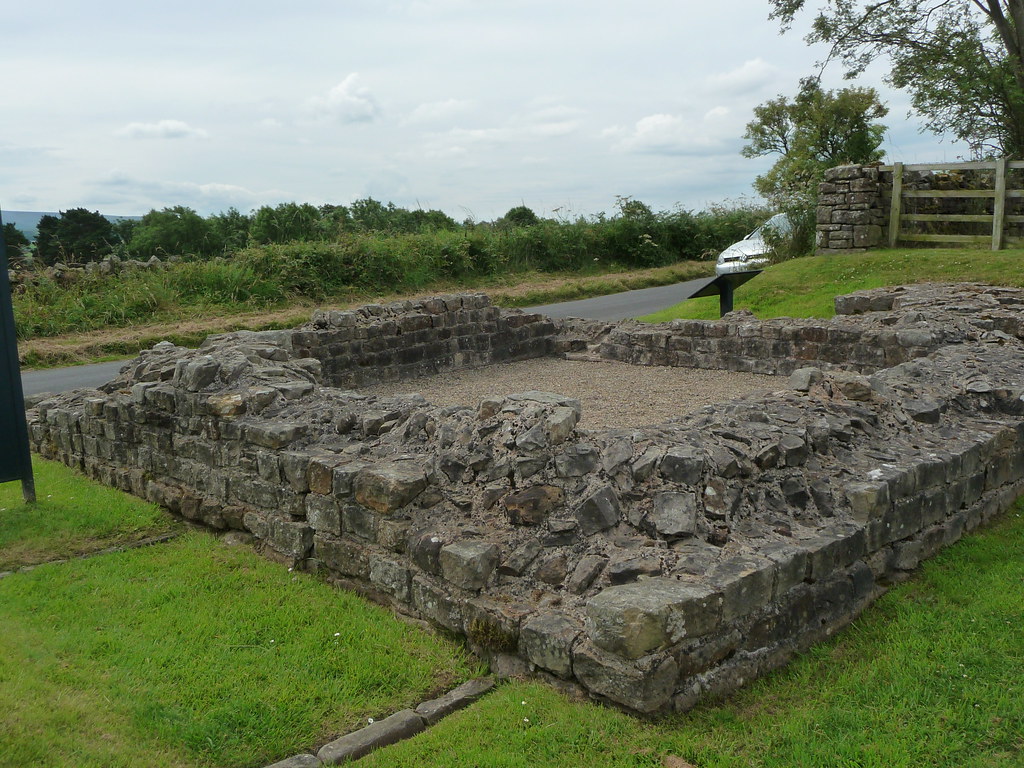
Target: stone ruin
646,567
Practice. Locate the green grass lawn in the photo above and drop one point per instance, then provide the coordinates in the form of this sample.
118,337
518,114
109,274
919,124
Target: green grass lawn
931,675
71,517
806,287
194,653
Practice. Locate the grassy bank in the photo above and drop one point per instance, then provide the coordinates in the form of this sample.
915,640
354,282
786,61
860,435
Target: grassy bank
806,287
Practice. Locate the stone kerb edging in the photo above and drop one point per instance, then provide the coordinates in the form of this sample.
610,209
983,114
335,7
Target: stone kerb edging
648,567
390,730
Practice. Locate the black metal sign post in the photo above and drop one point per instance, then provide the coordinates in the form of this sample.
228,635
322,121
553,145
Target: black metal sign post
15,459
722,286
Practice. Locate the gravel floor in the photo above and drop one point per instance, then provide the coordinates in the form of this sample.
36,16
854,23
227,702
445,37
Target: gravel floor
613,394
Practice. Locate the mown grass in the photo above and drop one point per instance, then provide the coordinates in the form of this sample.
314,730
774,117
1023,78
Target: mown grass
193,653
931,675
71,517
806,287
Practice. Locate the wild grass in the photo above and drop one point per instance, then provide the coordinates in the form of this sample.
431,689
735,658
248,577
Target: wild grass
190,328
71,517
931,675
359,263
193,653
806,287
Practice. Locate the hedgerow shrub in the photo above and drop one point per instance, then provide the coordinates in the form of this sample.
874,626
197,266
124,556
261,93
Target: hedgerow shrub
379,262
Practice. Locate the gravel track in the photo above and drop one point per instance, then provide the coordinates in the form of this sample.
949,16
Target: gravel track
613,394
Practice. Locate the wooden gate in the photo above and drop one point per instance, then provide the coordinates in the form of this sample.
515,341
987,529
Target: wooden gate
997,220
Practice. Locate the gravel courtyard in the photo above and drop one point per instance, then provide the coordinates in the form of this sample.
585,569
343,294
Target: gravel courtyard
614,395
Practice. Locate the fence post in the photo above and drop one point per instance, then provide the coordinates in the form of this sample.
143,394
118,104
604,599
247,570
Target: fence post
895,203
999,205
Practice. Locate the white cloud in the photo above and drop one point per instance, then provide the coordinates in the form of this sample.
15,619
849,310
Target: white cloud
163,129
749,77
445,153
663,134
347,102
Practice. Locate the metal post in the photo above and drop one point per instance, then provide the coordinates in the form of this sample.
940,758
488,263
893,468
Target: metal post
725,297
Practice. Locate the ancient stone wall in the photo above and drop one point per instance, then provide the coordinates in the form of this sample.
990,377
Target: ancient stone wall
871,331
648,567
406,339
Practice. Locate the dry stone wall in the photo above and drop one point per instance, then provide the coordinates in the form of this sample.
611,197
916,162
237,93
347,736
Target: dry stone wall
647,567
854,205
853,212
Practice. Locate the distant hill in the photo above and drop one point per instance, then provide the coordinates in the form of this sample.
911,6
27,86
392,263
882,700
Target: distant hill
28,221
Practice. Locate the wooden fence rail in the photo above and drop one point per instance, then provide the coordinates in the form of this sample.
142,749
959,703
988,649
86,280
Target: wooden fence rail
999,194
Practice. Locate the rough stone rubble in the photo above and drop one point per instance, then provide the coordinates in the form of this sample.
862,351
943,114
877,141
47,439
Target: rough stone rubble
648,567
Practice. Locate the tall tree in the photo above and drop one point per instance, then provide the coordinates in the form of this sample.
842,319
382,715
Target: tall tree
286,223
519,216
961,60
818,129
76,235
232,228
176,231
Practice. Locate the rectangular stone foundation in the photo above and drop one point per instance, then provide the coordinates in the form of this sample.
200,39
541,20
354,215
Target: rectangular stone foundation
648,567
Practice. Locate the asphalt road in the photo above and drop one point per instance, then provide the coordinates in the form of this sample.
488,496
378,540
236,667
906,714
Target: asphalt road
75,377
619,306
616,306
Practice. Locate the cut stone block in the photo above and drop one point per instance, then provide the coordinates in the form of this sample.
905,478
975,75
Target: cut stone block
432,711
547,641
633,620
532,506
675,514
468,564
598,511
645,685
388,487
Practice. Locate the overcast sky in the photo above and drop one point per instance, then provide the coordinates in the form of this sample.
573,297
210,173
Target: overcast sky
468,106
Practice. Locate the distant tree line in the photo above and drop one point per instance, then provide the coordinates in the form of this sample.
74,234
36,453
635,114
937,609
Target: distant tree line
79,235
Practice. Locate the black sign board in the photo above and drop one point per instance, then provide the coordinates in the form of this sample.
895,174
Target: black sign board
722,286
15,461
